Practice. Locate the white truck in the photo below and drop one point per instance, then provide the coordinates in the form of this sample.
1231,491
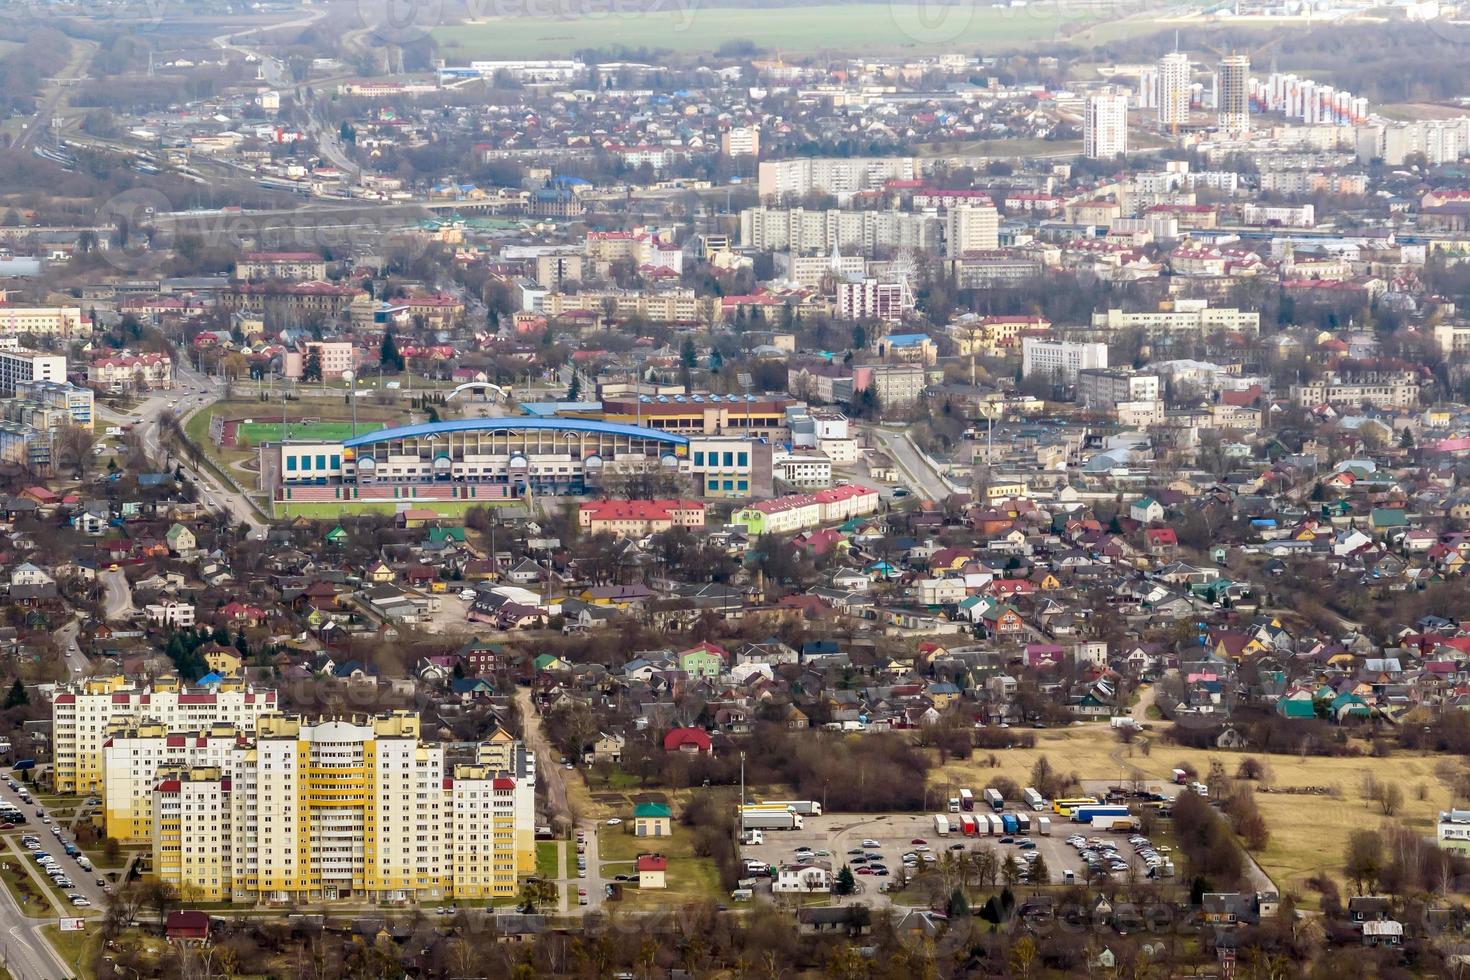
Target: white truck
807,808
1033,799
996,801
753,838
769,820
941,825
1043,826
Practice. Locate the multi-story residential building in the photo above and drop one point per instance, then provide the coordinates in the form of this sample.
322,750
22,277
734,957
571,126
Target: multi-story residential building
72,402
1175,83
741,141
293,302
133,756
281,265
1060,359
1106,388
1194,316
120,372
82,713
1105,126
801,231
839,176
869,299
1285,216
971,228
1232,93
335,357
1385,390
664,306
19,365
813,270
41,321
334,810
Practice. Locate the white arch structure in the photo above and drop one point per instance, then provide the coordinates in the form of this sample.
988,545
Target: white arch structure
481,386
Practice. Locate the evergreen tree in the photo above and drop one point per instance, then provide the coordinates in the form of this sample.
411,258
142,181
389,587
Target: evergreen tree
17,695
846,884
313,369
688,356
574,390
388,355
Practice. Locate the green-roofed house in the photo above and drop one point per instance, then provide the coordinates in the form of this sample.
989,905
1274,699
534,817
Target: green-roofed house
551,663
1385,519
337,536
653,820
1300,708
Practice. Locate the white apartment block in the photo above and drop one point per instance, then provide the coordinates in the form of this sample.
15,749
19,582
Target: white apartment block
810,270
741,141
1175,83
869,299
133,756
841,177
1105,126
1060,359
81,715
971,228
1106,388
1296,216
1187,316
49,321
1396,390
19,365
851,232
174,614
337,810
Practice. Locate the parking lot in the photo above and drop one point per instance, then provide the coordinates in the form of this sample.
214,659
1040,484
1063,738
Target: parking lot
895,834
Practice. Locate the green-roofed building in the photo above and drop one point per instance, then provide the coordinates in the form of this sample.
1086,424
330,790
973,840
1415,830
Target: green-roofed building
653,820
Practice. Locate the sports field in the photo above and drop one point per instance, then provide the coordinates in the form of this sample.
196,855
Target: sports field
254,433
684,26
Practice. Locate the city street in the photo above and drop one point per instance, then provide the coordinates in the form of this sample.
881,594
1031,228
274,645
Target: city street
916,468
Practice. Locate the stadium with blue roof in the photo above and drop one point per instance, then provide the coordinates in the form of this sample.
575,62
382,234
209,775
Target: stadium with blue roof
466,459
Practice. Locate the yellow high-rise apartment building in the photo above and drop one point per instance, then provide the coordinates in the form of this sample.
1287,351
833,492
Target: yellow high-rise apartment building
81,716
359,810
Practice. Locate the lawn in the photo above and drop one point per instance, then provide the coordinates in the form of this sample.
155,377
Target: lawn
23,887
327,511
77,949
689,877
794,30
1308,832
548,861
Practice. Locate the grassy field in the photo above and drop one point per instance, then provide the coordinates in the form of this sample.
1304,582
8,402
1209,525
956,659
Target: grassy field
75,948
1308,832
254,433
792,30
548,864
689,877
23,887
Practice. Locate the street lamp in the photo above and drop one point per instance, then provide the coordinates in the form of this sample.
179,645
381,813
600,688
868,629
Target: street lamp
351,380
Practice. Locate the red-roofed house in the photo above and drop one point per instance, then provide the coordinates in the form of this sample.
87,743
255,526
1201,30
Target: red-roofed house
695,741
653,871
187,924
1161,541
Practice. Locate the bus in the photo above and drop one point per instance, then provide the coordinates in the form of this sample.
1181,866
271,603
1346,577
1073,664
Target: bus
1064,807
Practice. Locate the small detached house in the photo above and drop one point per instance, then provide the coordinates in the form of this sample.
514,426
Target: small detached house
653,870
652,820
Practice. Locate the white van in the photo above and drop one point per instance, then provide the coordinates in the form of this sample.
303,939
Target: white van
742,894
